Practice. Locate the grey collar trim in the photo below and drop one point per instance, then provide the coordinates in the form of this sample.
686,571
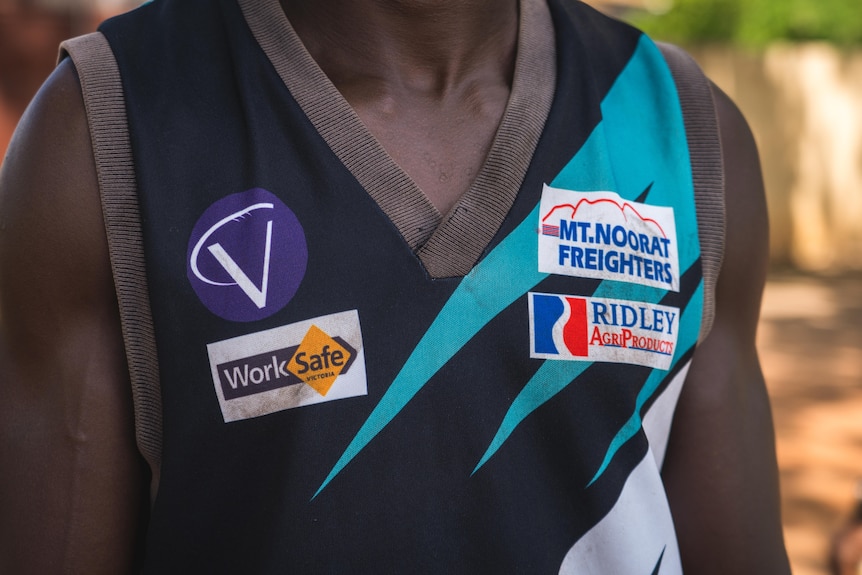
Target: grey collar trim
449,245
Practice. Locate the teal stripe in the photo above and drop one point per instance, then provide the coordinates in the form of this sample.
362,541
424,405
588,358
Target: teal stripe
552,378
506,274
649,146
629,128
590,169
645,131
652,147
689,329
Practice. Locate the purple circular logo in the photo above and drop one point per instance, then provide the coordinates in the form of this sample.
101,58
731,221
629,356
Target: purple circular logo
247,256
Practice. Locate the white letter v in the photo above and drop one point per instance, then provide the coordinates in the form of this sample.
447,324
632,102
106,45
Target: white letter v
258,296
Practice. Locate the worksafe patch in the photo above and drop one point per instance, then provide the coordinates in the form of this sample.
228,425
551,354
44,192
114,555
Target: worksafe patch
602,236
602,330
300,364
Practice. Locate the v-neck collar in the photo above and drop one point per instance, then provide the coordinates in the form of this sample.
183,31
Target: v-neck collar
447,245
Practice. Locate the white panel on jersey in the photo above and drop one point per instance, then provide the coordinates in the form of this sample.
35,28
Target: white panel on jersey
634,536
657,421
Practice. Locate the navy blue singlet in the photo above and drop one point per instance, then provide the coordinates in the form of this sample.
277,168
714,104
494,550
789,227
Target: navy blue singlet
354,383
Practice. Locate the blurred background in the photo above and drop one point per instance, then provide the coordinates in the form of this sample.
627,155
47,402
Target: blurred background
794,67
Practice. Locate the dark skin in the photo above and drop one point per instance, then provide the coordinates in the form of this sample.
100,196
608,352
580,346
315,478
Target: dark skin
433,104
71,476
720,471
432,89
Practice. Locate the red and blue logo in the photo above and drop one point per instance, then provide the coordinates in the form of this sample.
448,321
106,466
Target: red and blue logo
559,326
576,328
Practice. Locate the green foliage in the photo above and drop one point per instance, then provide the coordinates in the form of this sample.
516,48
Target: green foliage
754,23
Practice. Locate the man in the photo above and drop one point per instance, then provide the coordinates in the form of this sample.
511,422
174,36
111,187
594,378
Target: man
423,282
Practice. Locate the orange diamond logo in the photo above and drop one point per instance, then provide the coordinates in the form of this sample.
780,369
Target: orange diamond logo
319,360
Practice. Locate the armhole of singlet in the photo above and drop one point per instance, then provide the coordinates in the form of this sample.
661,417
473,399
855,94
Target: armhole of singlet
707,165
104,102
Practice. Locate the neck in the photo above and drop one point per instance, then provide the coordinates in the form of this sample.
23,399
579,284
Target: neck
425,46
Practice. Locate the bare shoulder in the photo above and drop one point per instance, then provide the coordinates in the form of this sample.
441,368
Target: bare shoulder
720,471
50,216
747,234
71,478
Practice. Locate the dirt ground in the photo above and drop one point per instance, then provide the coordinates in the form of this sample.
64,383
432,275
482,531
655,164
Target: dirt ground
810,342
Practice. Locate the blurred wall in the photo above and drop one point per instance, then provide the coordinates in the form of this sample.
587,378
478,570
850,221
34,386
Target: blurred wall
30,31
804,104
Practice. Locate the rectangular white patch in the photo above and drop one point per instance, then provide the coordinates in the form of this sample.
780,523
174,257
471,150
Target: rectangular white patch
600,235
578,328
304,363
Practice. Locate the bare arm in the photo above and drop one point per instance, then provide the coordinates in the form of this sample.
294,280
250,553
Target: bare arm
720,472
71,481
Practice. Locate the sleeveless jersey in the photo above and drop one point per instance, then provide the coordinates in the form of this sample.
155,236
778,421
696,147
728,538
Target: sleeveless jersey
332,377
